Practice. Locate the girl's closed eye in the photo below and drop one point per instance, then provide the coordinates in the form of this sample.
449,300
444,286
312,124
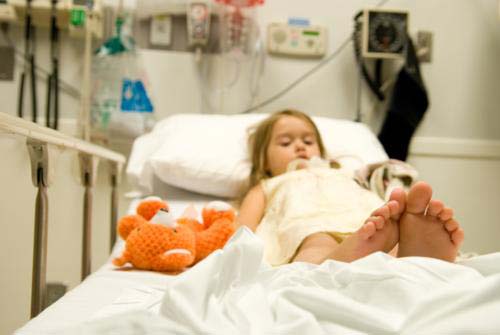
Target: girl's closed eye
309,141
284,141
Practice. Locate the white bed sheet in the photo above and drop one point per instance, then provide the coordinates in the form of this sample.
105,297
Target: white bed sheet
234,292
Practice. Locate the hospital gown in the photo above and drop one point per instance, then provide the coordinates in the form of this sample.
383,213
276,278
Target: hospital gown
302,202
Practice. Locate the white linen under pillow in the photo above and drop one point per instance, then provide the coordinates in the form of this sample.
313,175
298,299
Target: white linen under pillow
208,153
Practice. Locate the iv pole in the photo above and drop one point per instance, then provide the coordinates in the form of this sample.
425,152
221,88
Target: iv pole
29,65
87,62
52,104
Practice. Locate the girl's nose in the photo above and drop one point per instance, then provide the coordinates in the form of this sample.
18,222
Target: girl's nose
299,146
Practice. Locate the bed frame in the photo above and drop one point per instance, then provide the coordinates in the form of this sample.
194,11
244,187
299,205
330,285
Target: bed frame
42,143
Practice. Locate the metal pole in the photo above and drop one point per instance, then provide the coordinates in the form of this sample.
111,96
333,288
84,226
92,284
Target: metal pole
41,177
86,84
359,115
115,169
38,283
88,167
87,232
114,211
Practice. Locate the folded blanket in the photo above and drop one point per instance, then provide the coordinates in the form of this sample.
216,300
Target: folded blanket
384,177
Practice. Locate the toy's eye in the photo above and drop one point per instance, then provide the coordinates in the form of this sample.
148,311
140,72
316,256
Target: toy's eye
175,230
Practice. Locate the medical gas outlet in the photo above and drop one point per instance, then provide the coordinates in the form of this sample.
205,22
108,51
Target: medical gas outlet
296,41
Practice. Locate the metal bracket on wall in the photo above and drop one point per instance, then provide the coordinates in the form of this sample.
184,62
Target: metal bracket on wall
116,172
42,158
88,169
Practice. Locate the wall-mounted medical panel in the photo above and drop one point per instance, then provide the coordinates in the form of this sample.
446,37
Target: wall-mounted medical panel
296,41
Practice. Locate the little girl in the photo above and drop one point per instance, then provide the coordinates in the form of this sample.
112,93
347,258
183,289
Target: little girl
306,211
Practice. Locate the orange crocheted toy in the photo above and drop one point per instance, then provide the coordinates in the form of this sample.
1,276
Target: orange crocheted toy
154,241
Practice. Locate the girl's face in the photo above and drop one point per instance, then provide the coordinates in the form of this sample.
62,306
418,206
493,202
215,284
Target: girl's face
291,138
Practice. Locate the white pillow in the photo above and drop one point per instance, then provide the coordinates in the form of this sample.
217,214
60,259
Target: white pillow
208,153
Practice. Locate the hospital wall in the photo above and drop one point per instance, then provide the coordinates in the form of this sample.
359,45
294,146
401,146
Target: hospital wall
456,148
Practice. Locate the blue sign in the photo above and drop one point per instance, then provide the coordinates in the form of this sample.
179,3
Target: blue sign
134,97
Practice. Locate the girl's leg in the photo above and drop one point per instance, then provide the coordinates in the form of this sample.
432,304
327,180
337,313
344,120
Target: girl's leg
315,248
380,232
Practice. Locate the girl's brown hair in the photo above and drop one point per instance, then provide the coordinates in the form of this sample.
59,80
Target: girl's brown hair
259,139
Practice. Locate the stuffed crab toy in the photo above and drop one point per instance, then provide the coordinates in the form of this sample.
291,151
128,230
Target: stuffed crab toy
154,240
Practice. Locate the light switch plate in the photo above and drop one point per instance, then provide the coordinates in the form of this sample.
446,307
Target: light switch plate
424,46
160,30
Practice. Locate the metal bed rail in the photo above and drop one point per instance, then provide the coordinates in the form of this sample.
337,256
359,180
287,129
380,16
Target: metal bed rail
42,145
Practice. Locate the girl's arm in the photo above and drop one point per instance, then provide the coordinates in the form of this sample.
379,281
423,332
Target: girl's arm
252,208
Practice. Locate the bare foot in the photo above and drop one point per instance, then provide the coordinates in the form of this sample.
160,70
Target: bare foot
380,232
427,227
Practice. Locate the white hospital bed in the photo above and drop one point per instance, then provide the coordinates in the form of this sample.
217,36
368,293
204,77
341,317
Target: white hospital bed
109,290
233,291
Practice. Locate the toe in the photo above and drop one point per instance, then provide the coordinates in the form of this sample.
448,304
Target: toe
451,225
367,230
383,211
379,222
418,198
435,207
395,213
446,214
457,237
399,196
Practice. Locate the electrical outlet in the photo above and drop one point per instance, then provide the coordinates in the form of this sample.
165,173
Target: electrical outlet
424,46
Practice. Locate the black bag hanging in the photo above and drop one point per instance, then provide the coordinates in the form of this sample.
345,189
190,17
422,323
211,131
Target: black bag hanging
407,107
